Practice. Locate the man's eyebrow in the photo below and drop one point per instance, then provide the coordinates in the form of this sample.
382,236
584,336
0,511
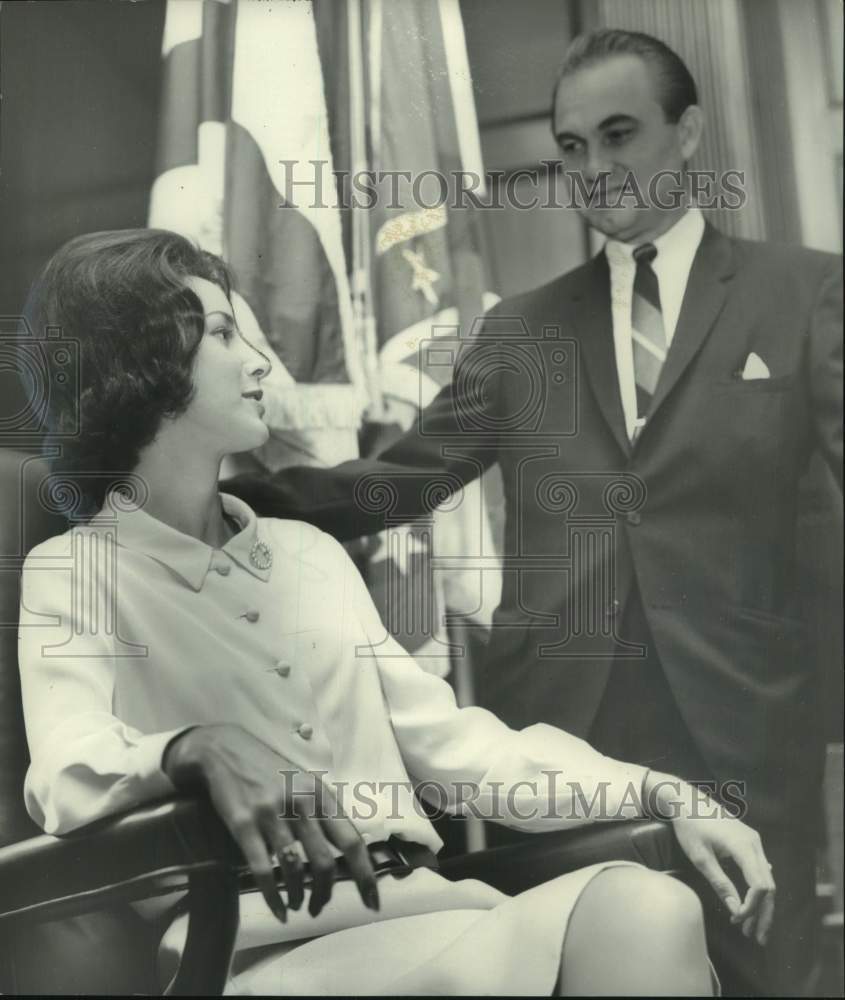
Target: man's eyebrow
609,122
618,120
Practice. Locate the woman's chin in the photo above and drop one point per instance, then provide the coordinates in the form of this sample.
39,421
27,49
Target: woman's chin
262,436
254,436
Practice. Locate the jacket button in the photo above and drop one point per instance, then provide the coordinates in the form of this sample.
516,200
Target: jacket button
614,608
283,669
306,731
223,569
252,616
634,517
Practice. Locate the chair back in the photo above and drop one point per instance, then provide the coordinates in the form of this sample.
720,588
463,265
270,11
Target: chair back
108,952
24,523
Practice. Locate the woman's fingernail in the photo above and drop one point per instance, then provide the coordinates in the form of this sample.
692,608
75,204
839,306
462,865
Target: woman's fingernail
371,898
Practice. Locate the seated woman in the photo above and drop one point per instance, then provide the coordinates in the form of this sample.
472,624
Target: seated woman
172,639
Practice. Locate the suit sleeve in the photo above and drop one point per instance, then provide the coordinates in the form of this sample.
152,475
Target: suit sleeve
825,369
337,500
85,762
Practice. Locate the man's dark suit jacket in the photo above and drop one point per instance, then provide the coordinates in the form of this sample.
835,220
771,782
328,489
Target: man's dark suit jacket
700,513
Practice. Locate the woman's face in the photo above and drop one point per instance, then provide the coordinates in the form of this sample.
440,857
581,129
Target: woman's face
226,411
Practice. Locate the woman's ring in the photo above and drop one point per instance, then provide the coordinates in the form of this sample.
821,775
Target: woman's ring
290,856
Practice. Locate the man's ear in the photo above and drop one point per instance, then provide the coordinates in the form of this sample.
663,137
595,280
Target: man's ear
690,129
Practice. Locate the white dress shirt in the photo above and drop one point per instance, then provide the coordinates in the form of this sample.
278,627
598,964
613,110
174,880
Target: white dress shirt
676,249
131,631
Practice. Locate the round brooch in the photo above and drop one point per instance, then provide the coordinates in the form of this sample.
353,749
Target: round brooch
261,555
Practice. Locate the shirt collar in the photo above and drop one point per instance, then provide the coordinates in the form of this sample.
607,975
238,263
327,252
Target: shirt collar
682,238
183,554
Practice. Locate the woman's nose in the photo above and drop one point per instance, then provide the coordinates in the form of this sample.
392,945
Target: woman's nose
260,368
257,365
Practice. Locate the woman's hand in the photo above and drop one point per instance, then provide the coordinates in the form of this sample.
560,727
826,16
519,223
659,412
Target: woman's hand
707,834
252,791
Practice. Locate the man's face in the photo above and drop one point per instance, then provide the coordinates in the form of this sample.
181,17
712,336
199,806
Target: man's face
608,122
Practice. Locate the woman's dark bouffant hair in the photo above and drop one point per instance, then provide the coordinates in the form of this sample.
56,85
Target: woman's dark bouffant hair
121,297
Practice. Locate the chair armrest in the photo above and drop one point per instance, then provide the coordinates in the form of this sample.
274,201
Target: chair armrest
540,857
151,851
163,847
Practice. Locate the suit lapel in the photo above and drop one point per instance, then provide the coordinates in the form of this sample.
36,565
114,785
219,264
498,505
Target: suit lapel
705,296
589,311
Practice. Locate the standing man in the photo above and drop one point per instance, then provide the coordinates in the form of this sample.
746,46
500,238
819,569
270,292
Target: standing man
681,380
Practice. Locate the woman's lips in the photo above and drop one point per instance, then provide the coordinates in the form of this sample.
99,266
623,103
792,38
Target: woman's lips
256,398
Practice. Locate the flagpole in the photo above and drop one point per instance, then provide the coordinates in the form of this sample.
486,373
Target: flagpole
361,280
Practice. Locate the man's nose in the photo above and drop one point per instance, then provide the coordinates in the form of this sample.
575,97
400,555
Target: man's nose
596,164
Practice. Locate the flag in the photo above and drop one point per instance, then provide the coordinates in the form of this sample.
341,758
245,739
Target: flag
245,169
428,270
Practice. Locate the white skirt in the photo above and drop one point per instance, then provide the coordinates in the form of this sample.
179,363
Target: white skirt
431,937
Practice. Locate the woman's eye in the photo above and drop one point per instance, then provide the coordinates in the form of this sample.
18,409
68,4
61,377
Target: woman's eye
225,332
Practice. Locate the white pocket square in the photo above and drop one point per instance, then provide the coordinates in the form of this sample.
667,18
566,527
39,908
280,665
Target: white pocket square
755,367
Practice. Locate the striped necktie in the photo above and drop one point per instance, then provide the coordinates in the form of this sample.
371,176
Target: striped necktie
647,330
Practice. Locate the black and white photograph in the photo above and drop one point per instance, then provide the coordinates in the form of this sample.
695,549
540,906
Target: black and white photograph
421,498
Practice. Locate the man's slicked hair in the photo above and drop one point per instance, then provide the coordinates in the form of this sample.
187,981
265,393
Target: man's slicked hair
676,89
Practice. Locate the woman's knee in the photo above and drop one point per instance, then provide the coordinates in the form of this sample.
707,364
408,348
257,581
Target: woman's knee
653,927
671,904
648,902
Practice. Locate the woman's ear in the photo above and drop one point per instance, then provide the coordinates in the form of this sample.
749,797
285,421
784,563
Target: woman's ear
690,129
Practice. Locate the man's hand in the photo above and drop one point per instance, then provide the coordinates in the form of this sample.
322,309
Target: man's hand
266,816
707,834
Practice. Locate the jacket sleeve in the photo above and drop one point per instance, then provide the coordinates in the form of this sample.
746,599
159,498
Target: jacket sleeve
451,443
825,368
468,761
85,762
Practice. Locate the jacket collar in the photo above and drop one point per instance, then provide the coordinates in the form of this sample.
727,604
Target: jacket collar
589,310
186,556
707,289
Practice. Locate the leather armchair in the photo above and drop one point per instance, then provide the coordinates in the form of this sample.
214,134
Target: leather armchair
66,925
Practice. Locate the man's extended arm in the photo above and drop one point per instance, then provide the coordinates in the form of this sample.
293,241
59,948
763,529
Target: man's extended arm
448,446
